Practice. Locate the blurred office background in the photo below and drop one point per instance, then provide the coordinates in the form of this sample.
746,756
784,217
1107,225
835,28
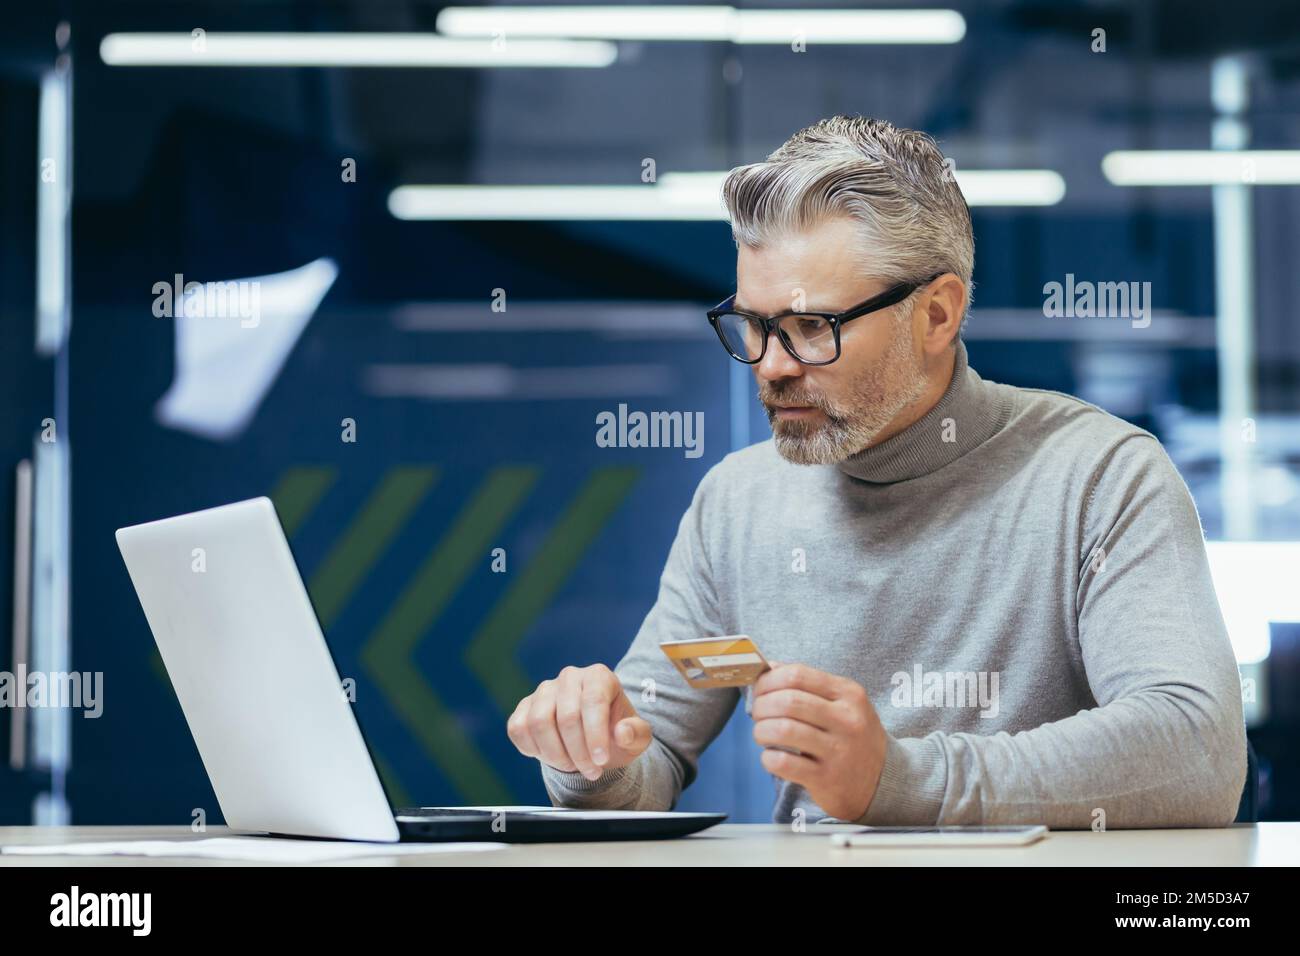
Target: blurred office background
128,161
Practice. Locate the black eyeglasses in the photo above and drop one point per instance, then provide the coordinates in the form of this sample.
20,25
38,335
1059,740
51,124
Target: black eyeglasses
812,338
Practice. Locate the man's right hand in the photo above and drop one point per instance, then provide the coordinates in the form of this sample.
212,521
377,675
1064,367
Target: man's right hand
581,720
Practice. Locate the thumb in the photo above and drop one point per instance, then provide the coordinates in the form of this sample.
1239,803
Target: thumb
632,734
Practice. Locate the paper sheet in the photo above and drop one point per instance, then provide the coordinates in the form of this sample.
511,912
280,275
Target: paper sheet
253,849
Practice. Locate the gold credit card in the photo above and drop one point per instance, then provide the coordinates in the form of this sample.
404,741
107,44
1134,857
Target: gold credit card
717,661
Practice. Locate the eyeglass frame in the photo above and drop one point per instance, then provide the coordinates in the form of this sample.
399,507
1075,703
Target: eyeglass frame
891,296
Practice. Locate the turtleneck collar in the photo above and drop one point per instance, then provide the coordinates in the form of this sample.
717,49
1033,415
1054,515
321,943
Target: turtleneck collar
978,410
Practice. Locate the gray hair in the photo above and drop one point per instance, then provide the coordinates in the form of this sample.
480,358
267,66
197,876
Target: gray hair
893,182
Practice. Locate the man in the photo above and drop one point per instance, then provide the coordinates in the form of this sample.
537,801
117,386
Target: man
987,604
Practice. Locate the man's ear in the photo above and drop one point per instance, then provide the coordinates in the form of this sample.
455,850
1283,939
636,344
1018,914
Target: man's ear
944,304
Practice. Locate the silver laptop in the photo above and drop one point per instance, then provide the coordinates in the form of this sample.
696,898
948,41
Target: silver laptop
266,705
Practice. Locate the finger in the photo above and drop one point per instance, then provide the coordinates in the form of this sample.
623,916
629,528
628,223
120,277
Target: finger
600,689
517,729
795,703
541,724
802,677
633,735
784,732
791,767
568,719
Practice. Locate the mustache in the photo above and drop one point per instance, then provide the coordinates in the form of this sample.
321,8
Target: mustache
771,395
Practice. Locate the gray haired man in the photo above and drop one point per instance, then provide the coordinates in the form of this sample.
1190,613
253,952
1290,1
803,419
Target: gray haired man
913,540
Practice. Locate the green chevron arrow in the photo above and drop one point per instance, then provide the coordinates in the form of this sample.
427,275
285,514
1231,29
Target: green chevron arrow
296,496
491,655
372,530
298,492
386,656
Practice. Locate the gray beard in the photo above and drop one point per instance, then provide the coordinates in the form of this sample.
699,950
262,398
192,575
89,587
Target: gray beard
883,390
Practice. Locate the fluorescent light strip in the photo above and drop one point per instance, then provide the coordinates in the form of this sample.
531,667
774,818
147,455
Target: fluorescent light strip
596,22
1011,187
1202,167
52,205
707,23
549,203
348,49
850,26
980,187
677,196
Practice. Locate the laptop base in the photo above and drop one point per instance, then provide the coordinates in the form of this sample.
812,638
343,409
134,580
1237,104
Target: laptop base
448,824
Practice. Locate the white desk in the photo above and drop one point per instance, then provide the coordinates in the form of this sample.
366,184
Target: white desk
1264,844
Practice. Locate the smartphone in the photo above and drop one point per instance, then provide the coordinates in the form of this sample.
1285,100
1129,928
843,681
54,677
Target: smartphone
1019,835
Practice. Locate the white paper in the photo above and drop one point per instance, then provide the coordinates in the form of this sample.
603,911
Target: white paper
254,849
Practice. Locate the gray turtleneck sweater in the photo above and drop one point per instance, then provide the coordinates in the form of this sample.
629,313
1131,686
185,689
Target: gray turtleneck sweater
1018,580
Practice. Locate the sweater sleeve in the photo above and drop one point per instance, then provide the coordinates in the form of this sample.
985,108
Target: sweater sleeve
684,721
1165,747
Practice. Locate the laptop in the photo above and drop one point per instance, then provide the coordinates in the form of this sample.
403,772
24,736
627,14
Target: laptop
277,733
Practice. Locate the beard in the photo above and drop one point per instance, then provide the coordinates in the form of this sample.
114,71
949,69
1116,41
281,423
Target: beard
872,400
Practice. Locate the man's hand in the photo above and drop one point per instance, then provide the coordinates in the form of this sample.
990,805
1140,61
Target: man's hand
831,721
582,720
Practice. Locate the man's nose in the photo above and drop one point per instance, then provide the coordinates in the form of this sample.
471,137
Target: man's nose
777,363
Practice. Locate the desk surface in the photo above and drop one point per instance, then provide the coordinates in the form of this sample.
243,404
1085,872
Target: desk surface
1264,844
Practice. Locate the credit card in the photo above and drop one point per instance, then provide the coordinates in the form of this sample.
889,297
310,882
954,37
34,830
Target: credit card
717,661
